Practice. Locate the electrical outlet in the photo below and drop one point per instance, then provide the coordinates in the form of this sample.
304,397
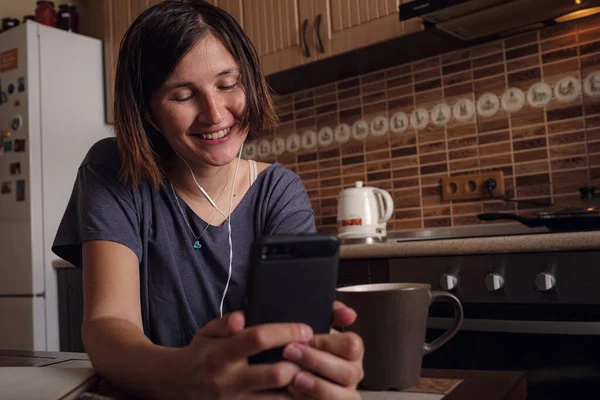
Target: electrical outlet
465,187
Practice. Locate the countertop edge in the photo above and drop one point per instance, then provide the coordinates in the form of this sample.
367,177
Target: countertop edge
481,245
59,263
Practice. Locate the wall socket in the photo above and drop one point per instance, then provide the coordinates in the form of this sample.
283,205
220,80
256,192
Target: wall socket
465,187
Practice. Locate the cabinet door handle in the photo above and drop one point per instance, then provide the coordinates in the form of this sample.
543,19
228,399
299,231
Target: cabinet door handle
318,21
305,48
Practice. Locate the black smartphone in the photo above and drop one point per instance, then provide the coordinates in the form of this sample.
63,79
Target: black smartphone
292,278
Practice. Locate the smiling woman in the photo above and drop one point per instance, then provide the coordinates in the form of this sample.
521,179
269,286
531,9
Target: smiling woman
162,220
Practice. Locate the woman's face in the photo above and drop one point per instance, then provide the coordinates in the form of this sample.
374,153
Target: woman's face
199,107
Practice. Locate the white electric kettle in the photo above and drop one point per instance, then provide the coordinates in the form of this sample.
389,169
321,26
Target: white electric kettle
363,212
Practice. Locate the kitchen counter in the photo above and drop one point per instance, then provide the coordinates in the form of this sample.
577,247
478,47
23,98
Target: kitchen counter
499,239
491,385
541,242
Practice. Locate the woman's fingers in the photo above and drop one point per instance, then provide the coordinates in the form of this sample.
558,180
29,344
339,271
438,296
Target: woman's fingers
347,345
330,366
343,315
308,386
259,338
261,377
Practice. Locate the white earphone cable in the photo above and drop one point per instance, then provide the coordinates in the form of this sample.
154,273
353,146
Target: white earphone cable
227,217
229,229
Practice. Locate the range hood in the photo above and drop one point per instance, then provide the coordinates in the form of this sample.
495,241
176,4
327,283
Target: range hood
477,19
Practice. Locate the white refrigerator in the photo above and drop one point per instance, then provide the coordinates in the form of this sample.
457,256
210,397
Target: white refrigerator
51,112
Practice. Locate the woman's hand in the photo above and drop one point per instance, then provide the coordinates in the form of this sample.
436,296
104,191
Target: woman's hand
336,358
216,367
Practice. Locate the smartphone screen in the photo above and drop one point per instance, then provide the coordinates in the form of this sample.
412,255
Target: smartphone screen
292,278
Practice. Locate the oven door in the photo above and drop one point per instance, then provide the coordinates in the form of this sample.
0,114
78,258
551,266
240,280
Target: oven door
558,365
553,335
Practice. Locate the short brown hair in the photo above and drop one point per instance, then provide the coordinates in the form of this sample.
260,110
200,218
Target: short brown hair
150,50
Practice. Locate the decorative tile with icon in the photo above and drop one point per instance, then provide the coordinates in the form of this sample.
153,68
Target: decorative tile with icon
19,146
591,85
539,95
250,151
264,148
21,84
513,100
360,129
325,136
380,125
488,105
419,119
6,187
567,89
441,114
343,132
309,139
20,190
399,122
15,168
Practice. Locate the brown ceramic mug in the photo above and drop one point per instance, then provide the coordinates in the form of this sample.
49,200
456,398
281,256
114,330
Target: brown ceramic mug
392,320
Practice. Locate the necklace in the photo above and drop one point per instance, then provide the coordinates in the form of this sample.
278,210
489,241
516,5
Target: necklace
197,244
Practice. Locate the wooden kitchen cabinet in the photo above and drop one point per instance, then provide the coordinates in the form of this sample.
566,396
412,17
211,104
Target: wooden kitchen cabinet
233,7
281,31
345,25
289,33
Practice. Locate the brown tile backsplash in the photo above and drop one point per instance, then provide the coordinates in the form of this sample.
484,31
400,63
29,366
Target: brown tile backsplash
545,152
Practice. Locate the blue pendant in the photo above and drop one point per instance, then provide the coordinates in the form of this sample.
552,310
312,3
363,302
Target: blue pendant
197,244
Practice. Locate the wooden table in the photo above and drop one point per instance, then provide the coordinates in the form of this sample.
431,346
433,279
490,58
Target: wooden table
488,385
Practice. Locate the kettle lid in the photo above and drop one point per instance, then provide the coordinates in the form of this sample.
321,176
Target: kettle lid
358,184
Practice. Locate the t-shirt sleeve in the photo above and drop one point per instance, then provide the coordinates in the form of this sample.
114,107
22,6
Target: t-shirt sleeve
101,207
290,210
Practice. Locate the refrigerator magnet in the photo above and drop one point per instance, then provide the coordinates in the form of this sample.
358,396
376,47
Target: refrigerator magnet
6,187
19,146
17,122
15,168
21,84
7,145
20,190
9,60
3,97
17,103
11,88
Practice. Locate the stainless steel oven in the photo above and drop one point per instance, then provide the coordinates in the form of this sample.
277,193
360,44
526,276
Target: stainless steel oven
535,312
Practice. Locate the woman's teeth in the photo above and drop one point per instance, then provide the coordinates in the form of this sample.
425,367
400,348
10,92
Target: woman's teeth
215,135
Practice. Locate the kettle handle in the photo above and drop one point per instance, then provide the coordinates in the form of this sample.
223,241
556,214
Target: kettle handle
389,204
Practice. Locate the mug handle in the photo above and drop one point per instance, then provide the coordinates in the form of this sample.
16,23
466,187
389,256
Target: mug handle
458,319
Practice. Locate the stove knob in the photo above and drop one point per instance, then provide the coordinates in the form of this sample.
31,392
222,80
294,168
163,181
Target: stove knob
494,282
545,281
449,281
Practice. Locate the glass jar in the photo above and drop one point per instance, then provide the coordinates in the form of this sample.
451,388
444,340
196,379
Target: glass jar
45,13
8,23
64,19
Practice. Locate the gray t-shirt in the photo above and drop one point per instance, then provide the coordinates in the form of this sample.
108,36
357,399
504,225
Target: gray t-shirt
180,286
